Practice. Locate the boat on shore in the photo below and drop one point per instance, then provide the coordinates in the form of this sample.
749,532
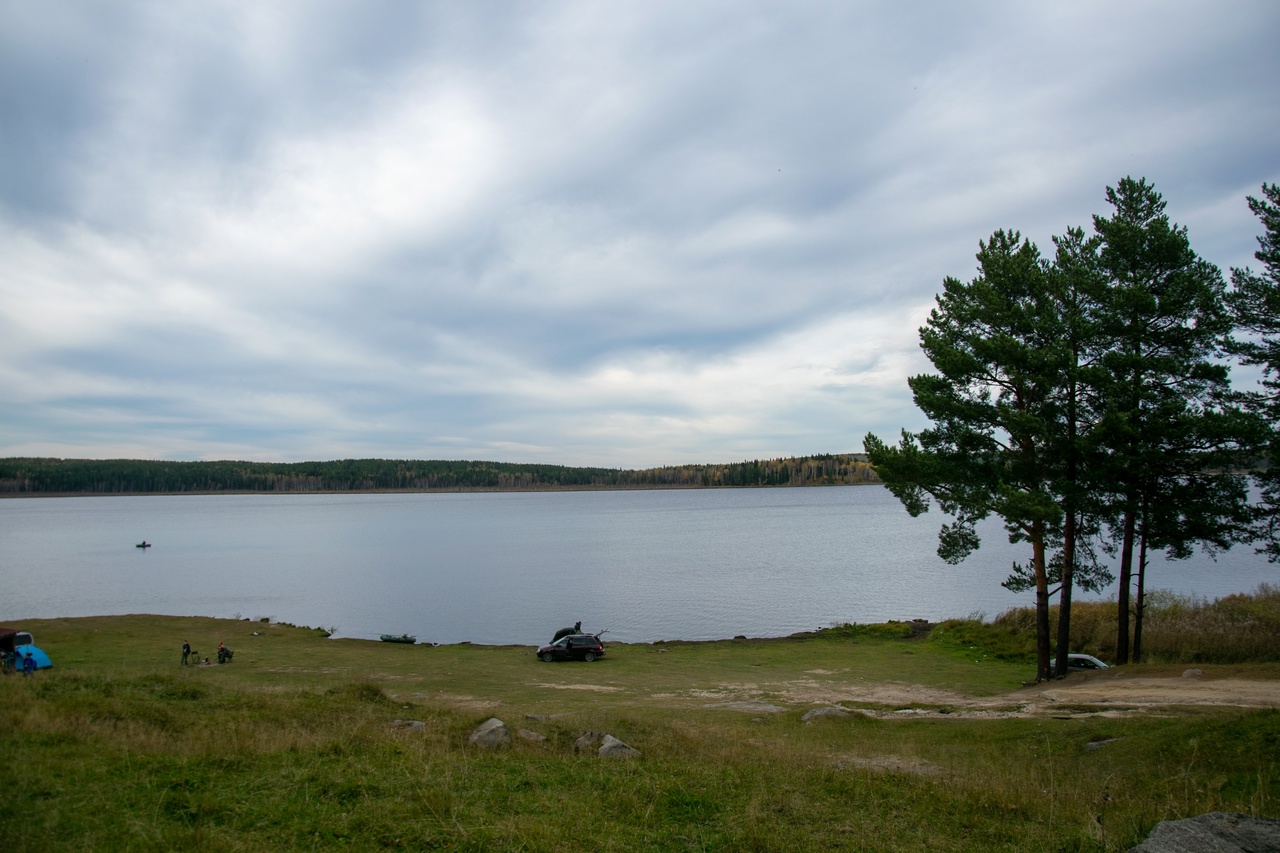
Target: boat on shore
402,638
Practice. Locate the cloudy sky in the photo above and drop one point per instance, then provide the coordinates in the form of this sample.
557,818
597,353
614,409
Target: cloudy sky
588,233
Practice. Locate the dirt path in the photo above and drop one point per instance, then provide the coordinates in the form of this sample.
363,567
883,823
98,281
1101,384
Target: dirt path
1077,695
1163,692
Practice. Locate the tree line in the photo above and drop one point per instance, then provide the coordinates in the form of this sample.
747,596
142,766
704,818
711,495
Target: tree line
36,476
1085,399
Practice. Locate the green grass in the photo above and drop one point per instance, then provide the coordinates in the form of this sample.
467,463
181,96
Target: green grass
292,746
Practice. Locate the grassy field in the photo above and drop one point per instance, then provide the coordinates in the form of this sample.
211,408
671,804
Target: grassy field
296,746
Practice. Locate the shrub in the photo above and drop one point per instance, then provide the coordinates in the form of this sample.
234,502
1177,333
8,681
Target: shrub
1176,628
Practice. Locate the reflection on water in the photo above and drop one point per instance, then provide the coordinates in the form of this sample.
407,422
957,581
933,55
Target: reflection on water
511,568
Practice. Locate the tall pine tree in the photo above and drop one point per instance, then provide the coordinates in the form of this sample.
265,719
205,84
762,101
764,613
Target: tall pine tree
1254,301
1167,435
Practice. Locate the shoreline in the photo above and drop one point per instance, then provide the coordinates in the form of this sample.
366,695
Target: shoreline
450,491
919,629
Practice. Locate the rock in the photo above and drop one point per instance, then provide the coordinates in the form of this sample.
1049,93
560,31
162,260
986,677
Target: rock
810,716
1099,744
587,742
1192,673
1215,832
614,748
411,725
751,706
492,732
530,735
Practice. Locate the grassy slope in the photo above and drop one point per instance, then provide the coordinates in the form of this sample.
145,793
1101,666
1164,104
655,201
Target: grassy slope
292,747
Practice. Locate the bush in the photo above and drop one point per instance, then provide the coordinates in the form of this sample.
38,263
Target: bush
1234,629
1011,637
1176,628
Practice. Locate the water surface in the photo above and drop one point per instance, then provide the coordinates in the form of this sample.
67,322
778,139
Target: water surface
513,567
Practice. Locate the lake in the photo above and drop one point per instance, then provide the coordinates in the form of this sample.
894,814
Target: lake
511,568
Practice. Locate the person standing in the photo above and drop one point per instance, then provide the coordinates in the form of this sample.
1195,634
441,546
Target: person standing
186,652
28,664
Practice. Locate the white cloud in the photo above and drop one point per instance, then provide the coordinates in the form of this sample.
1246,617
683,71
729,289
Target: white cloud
620,235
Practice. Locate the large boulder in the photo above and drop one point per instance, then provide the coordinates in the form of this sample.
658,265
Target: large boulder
1215,832
611,747
492,732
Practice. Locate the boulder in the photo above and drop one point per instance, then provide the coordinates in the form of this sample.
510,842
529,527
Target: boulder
492,732
411,725
810,716
614,748
531,736
1215,832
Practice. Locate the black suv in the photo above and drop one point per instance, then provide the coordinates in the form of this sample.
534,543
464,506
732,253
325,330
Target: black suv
573,647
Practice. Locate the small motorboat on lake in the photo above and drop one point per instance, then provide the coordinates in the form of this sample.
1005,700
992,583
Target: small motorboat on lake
403,638
143,544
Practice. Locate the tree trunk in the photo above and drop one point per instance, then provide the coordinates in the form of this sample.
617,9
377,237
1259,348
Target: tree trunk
1122,596
1140,599
1043,669
1064,596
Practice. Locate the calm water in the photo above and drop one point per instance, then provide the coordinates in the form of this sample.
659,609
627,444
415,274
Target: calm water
511,568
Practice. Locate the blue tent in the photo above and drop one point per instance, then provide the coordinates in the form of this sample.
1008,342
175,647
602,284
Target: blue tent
42,659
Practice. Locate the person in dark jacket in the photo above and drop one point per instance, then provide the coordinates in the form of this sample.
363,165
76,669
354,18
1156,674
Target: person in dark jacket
29,664
564,632
186,652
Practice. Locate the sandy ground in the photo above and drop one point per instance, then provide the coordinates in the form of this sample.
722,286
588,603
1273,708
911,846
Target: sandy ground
1077,695
1161,692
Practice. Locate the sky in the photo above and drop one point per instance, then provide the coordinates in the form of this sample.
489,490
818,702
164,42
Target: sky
582,233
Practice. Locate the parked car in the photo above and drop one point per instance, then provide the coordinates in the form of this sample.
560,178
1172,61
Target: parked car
1084,663
15,645
573,647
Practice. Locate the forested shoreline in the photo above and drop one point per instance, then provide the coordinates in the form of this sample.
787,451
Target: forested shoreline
53,476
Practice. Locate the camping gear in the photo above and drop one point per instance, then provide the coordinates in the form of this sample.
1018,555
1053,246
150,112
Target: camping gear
14,645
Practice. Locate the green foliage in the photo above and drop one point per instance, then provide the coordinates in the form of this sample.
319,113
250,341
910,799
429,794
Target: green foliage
1083,399
1008,638
878,631
1254,301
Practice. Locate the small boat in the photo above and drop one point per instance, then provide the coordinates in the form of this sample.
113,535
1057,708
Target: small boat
143,544
403,638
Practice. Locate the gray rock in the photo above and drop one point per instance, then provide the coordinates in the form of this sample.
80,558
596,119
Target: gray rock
532,736
1215,832
492,732
614,748
751,706
1099,744
411,725
587,742
1192,673
810,716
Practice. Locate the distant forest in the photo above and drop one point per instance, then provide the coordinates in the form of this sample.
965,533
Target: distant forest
35,476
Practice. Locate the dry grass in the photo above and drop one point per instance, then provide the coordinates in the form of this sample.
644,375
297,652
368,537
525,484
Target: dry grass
1177,628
